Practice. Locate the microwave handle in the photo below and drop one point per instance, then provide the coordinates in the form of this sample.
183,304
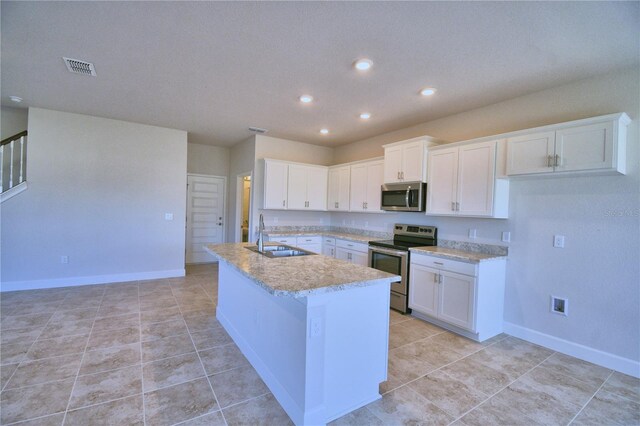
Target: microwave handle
407,196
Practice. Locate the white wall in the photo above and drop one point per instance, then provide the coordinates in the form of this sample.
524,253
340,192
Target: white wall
98,193
241,160
12,121
283,149
207,159
599,269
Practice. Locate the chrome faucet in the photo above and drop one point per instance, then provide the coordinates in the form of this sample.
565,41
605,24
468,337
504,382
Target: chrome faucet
260,234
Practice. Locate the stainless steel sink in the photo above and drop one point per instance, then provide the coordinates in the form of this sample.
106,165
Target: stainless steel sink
280,250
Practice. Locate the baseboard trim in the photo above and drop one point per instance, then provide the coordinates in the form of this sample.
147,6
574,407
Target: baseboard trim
90,280
586,353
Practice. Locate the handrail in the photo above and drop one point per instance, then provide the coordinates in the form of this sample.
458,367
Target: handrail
13,138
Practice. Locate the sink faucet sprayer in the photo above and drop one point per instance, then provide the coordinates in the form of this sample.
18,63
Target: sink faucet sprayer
260,236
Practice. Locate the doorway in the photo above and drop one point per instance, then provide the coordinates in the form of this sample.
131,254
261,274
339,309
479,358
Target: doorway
205,215
243,211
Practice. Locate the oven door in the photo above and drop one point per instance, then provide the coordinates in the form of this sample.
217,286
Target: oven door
391,261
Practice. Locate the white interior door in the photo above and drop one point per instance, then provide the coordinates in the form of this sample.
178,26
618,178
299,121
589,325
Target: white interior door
205,215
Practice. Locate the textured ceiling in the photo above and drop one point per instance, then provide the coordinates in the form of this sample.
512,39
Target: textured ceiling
216,68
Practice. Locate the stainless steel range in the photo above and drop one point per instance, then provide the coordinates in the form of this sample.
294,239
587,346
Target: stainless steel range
393,256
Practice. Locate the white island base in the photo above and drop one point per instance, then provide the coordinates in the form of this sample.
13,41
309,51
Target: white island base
321,355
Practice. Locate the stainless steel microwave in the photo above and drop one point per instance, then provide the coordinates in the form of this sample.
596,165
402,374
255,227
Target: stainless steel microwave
403,197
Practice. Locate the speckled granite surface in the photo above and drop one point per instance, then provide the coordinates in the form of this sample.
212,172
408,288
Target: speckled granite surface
297,276
358,238
453,254
474,247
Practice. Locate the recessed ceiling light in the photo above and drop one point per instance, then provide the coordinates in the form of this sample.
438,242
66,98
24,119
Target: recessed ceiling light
16,99
305,99
428,91
363,64
365,115
324,131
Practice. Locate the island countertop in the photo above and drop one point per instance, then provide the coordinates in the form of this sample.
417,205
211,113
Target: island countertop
298,276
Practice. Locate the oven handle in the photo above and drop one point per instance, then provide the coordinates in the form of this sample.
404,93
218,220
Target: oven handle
400,253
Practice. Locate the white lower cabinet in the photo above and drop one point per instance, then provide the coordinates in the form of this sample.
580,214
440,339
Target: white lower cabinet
312,243
290,241
329,246
467,298
357,253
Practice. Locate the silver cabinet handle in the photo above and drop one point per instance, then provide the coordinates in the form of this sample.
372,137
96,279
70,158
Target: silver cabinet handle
438,263
440,278
435,278
402,175
366,205
398,174
457,206
283,201
453,206
557,162
549,159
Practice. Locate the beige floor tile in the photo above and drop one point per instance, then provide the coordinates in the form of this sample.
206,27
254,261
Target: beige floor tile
166,347
449,394
13,353
45,370
435,354
106,386
160,315
201,320
25,321
537,404
564,388
221,358
607,409
400,334
361,416
178,403
75,315
34,401
59,328
211,338
577,368
261,411
478,376
118,308
160,330
396,317
456,343
171,371
52,420
110,358
20,335
406,366
390,384
211,419
119,337
6,371
623,385
116,322
512,360
237,385
127,411
38,308
493,413
152,304
404,406
47,348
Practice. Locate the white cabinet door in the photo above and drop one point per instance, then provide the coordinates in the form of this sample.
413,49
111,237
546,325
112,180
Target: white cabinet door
412,162
359,258
423,289
529,154
339,185
275,185
375,176
476,179
297,187
457,299
328,250
316,188
443,176
392,164
314,248
358,187
585,147
343,254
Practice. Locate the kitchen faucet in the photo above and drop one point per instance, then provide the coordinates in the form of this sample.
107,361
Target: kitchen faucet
260,234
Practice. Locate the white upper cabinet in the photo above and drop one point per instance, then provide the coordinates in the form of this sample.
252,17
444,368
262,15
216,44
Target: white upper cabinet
366,180
592,145
339,188
406,161
294,186
462,182
275,184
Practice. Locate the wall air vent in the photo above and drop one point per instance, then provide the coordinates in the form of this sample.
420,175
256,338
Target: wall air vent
77,66
258,130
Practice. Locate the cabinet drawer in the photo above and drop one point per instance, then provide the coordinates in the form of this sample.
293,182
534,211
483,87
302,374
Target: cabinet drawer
311,239
361,247
291,241
329,241
444,264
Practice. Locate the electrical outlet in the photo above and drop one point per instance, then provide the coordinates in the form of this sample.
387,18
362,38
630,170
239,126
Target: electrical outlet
472,233
558,241
506,236
168,216
64,259
559,305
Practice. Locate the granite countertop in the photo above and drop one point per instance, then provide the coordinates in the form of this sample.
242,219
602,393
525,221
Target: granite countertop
297,276
459,255
342,235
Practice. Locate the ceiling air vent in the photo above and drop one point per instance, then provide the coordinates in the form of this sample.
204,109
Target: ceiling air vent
77,66
258,130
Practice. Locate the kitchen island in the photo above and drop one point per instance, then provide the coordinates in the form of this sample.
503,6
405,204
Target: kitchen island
315,328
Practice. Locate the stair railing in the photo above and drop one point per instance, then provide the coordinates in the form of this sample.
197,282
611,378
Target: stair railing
15,148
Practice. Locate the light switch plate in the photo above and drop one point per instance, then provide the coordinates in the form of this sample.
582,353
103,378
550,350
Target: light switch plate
168,216
558,241
506,236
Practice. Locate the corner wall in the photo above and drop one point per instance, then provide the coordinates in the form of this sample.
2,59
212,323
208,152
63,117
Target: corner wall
98,193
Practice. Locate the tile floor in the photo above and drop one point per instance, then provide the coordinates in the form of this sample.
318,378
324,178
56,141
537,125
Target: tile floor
153,353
